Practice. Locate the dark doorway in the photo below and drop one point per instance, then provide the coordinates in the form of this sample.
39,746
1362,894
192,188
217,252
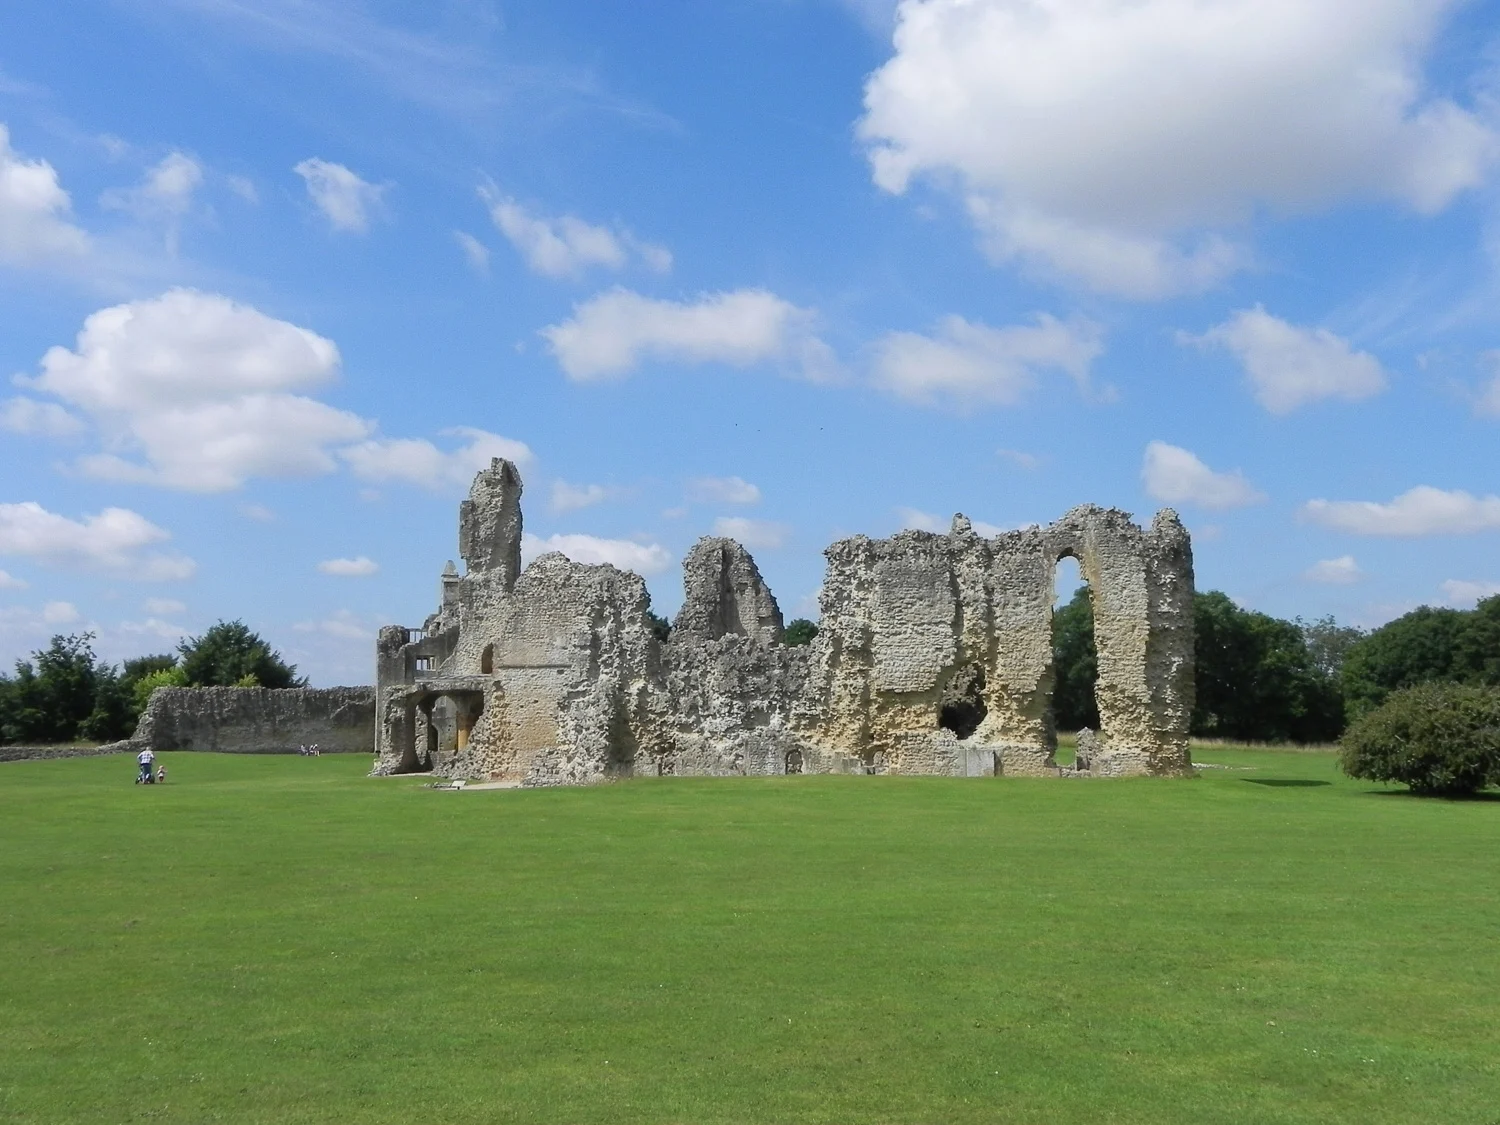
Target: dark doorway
963,706
793,761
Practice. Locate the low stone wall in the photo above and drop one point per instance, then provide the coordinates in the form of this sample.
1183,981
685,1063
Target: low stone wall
44,753
230,720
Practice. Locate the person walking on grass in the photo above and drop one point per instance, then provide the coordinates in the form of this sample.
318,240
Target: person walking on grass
145,759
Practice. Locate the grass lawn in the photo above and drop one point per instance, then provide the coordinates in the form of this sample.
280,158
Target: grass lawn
280,939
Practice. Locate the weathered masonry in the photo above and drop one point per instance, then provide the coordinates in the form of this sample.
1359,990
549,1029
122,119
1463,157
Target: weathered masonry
934,656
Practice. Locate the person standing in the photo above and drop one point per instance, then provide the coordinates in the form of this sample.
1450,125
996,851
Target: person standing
145,759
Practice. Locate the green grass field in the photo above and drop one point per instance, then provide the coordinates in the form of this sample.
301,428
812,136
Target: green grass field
279,939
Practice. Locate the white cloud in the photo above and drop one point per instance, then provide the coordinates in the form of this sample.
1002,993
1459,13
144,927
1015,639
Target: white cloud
60,613
257,512
722,490
347,202
114,542
23,415
361,567
1342,571
1175,476
243,188
753,533
342,625
1028,461
166,191
915,519
11,582
153,627
476,252
1460,593
163,607
1105,141
566,246
198,387
1289,367
571,497
33,213
643,558
973,364
1419,511
418,461
611,334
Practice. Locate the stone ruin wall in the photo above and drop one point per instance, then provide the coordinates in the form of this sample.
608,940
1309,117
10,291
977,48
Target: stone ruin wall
236,720
934,656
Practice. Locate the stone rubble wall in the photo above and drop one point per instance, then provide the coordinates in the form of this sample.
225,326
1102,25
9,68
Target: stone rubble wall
237,720
934,656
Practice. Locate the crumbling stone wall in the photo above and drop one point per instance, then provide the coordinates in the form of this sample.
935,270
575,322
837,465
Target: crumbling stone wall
934,656
237,720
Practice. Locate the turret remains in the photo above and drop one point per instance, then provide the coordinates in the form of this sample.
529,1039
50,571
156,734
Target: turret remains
934,656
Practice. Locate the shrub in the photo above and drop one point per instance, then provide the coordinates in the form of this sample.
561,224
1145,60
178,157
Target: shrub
1441,739
801,631
164,677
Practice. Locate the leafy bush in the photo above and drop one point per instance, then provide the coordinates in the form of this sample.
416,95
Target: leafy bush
228,653
1441,739
800,632
164,677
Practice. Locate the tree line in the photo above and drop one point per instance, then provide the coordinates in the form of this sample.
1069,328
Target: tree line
65,693
1264,679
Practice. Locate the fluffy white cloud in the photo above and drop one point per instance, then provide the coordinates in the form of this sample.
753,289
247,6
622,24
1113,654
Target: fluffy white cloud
163,607
34,229
165,191
917,520
974,365
361,567
1175,476
114,542
1104,141
153,627
1288,366
342,625
347,202
722,490
198,387
611,334
752,533
571,497
1420,511
1342,571
1458,592
418,461
643,558
11,582
60,613
566,246
23,415
476,252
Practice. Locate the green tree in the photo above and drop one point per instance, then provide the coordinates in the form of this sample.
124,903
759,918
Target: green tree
801,631
660,627
141,689
52,693
228,653
1441,739
1076,664
1416,648
1328,643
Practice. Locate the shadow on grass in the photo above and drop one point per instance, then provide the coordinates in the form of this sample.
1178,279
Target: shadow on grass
1466,798
1285,782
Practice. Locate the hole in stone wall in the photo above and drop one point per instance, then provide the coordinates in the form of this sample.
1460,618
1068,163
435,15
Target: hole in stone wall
487,661
1074,659
963,706
793,761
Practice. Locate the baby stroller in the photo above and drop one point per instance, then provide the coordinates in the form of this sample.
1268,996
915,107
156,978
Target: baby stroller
147,775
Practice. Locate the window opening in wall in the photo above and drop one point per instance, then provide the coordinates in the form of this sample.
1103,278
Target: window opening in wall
1075,660
487,661
963,707
424,664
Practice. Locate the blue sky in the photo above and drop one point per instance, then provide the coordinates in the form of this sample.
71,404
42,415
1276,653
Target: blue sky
277,276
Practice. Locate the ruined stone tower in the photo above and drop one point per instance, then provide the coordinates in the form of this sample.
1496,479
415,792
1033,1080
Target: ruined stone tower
934,656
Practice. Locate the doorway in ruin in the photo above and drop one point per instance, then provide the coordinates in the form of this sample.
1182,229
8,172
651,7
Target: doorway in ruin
1075,661
793,762
963,707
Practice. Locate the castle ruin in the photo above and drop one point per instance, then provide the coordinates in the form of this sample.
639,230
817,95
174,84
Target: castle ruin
933,656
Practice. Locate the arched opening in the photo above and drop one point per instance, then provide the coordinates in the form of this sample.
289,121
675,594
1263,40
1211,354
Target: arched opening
793,761
487,661
963,707
1075,662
